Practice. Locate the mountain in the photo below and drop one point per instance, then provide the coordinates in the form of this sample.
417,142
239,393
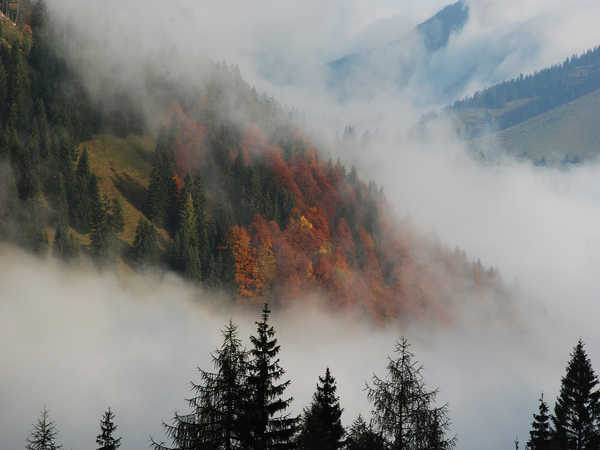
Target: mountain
218,185
566,134
436,31
547,114
397,60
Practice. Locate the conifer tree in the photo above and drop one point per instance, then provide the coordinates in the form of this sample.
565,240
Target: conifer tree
100,235
61,200
19,87
65,247
43,435
95,205
403,411
44,131
83,166
185,256
321,425
161,189
361,436
39,14
106,439
577,409
3,89
540,436
218,417
34,236
104,228
145,249
85,198
270,427
116,216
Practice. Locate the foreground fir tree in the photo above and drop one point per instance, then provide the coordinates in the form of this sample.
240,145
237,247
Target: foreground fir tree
270,427
218,417
577,409
43,435
540,436
321,425
361,436
403,410
106,439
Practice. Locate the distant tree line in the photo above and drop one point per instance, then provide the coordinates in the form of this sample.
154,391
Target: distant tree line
242,404
535,93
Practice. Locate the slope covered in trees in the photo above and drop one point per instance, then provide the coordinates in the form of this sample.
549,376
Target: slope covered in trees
251,205
227,191
566,134
515,101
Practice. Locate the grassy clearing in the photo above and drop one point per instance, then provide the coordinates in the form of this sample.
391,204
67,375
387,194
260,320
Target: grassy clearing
123,169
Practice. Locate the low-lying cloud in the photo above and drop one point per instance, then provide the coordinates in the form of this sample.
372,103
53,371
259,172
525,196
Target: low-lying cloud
78,341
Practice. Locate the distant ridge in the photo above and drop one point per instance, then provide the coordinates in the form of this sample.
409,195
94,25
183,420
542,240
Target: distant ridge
515,101
437,30
434,33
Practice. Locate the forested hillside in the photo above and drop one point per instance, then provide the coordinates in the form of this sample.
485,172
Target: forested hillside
565,135
226,191
515,101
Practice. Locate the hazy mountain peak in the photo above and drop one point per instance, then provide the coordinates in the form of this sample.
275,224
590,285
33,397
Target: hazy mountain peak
436,31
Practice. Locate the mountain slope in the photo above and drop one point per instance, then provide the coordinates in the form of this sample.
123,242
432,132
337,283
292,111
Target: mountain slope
396,61
225,190
515,101
123,167
567,133
436,31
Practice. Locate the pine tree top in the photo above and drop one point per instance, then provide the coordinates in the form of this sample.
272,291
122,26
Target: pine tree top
105,439
576,410
43,435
